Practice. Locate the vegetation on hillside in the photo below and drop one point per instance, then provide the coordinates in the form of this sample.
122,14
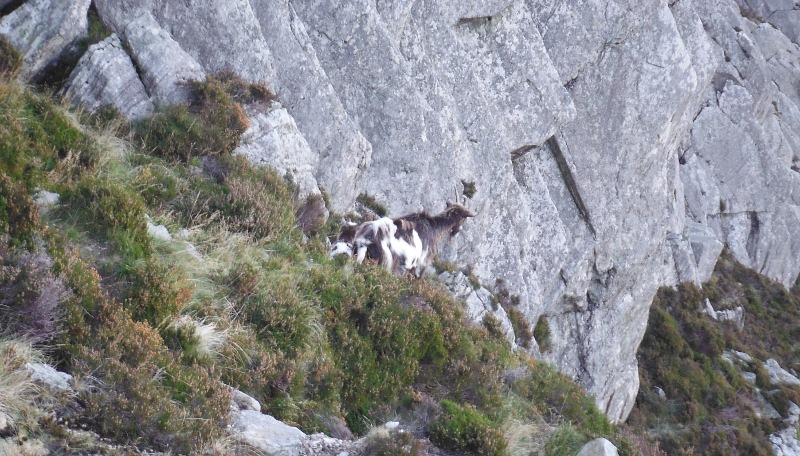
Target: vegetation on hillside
707,407
155,331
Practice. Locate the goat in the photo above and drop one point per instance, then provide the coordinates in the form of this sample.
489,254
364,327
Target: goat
407,243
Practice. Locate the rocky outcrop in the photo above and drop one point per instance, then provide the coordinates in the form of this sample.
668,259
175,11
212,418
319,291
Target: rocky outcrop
614,146
42,29
105,75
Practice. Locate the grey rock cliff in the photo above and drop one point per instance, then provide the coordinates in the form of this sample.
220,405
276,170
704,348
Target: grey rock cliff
615,146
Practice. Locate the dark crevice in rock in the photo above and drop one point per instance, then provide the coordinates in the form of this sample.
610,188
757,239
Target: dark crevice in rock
480,20
6,10
139,71
572,186
753,236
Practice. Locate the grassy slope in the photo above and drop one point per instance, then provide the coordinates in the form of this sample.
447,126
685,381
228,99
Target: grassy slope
153,330
709,407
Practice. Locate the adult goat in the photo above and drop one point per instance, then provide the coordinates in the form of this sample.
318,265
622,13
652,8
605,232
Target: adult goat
407,243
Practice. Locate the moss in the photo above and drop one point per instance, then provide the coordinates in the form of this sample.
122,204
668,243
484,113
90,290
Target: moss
541,333
372,204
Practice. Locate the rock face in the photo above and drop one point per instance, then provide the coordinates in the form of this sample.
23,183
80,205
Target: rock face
42,29
615,146
164,65
273,139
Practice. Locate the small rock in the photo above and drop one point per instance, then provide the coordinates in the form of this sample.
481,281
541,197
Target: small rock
391,424
749,377
49,377
241,401
46,199
159,232
661,393
599,447
742,356
5,421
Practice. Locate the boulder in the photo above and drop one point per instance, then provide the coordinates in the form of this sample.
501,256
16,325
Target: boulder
267,434
598,447
43,29
105,75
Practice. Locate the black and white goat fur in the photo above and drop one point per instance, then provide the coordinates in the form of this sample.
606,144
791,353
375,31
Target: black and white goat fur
400,245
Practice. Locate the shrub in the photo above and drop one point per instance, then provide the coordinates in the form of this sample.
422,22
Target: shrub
256,201
465,429
522,330
155,294
559,396
110,210
19,216
35,135
156,183
212,124
565,441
